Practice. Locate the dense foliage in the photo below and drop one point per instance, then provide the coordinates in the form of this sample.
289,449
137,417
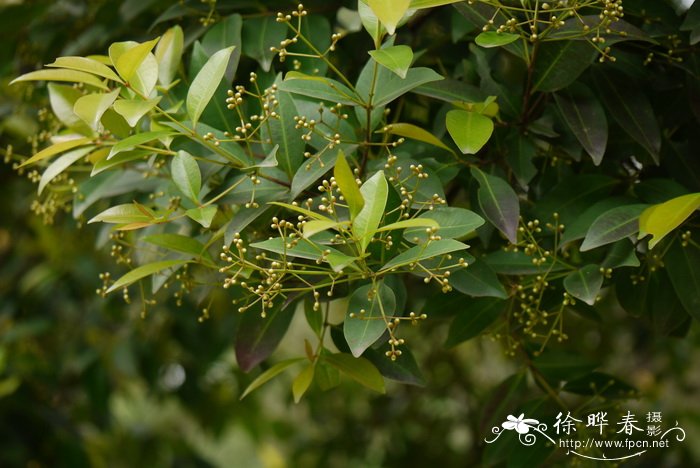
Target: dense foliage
327,176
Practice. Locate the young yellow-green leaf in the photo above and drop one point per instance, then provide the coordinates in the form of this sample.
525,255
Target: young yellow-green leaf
61,164
133,109
375,192
659,220
499,203
410,223
470,130
304,211
316,225
130,60
129,143
91,107
205,83
366,317
56,149
358,369
424,252
345,179
302,382
144,271
398,58
270,374
452,223
203,215
417,133
370,21
86,65
62,98
168,53
585,283
186,175
490,39
124,214
389,12
613,225
418,4
61,74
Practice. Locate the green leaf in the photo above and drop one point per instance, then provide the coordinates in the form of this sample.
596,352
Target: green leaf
631,109
452,223
389,12
72,76
424,252
558,365
499,203
257,337
613,225
345,179
61,164
404,369
56,149
202,215
128,61
410,223
316,225
133,109
86,65
518,263
476,316
683,267
144,271
621,254
366,318
478,280
398,58
205,83
370,21
659,220
302,382
586,118
307,249
91,107
520,156
318,87
490,39
585,283
270,374
417,133
168,54
308,213
62,98
123,214
258,35
131,142
375,192
358,369
573,195
451,91
559,63
392,87
177,243
283,131
225,33
578,228
186,175
469,130
418,4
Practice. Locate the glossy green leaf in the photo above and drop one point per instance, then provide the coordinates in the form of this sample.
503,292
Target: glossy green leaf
559,63
518,263
490,39
585,283
186,175
168,53
659,220
91,107
259,34
283,132
478,280
144,271
307,249
122,158
469,130
367,316
123,214
613,225
176,243
450,90
62,98
55,149
345,179
325,89
424,252
520,156
393,87
308,213
398,58
586,118
86,65
270,374
302,382
621,254
404,369
499,203
315,226
578,228
410,223
202,215
375,192
683,267
205,83
257,337
133,109
415,132
452,223
61,164
389,12
73,76
128,61
370,21
131,142
358,369
475,317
